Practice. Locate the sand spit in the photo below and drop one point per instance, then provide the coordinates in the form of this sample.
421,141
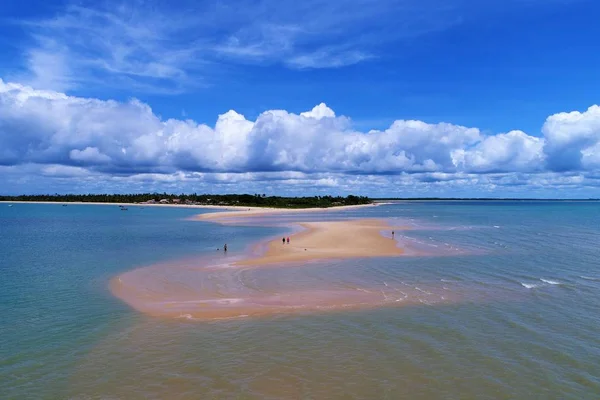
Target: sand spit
217,290
214,289
251,212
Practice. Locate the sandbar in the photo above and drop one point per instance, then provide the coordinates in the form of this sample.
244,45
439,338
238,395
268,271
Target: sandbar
330,239
251,212
213,291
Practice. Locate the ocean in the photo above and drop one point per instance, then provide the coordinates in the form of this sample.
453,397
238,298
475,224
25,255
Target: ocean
493,300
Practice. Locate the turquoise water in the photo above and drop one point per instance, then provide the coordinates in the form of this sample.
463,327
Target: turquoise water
524,323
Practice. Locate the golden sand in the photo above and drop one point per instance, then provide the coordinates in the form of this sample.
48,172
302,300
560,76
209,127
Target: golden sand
332,239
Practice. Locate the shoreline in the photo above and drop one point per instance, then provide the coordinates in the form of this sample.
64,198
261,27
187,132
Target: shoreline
200,206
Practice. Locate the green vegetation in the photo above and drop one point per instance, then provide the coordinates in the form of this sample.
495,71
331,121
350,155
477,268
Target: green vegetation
245,200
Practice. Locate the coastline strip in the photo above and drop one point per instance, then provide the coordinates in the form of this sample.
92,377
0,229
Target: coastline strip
246,210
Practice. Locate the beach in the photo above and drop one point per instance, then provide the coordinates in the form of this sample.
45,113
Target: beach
230,210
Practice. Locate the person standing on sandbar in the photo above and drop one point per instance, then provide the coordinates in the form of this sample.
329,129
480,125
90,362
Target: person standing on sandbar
283,240
392,234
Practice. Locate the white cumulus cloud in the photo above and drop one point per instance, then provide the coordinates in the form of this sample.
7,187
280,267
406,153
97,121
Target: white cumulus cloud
71,135
89,154
512,151
571,139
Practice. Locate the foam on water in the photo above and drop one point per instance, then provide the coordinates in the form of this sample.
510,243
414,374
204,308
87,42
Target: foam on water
545,282
550,282
530,285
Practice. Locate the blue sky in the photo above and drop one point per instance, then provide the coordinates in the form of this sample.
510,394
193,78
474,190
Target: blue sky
428,97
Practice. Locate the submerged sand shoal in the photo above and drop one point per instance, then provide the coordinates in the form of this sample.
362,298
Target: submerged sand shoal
217,291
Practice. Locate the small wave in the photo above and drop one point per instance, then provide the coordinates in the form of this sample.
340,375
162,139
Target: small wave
550,282
530,285
590,278
224,301
421,290
496,226
226,265
232,317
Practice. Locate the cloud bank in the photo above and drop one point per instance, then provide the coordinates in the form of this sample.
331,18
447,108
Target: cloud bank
51,134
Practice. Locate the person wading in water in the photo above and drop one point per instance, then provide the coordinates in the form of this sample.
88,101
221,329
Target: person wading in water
225,248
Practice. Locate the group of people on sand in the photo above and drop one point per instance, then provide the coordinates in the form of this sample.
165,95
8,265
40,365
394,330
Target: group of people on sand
283,240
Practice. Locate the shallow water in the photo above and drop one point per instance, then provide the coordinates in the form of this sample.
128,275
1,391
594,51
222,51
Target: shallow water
524,323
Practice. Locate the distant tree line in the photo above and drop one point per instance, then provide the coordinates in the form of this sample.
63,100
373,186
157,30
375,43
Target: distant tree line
249,200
